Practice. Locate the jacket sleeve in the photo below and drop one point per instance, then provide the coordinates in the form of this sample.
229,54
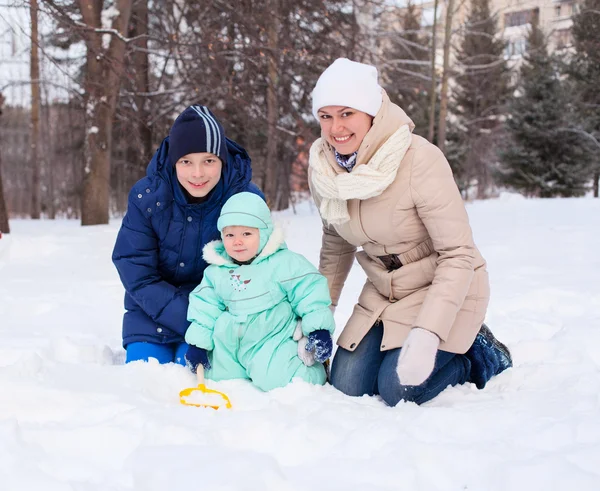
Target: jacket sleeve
308,293
136,258
336,257
204,310
440,206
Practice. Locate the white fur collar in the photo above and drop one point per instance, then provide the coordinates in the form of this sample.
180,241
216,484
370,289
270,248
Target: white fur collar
214,252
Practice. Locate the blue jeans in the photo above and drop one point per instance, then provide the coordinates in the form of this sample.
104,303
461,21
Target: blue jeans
164,353
367,370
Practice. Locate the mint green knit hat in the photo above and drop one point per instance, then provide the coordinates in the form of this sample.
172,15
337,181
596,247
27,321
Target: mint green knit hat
249,210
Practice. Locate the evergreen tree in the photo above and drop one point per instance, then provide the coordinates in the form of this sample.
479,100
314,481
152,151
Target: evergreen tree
584,72
406,73
542,157
481,89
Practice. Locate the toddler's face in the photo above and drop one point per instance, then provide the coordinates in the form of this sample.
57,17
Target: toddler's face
199,173
241,242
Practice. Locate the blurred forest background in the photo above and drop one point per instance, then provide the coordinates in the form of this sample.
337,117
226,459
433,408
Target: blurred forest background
89,88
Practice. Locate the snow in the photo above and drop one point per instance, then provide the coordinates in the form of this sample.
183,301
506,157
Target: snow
73,417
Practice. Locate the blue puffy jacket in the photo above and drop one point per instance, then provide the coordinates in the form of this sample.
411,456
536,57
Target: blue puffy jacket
158,252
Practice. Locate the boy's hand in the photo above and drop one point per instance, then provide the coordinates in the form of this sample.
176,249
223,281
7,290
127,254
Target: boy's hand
321,344
195,356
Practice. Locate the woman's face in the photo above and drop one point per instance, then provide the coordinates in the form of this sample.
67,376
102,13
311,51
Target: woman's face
344,128
198,173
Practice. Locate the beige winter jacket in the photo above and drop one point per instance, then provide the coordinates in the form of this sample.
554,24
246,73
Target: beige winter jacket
443,284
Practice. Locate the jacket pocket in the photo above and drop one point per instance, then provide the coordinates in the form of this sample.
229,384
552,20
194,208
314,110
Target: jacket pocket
401,282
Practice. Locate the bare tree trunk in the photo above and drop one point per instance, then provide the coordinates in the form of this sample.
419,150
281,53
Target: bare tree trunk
34,154
272,174
50,163
441,142
596,179
432,96
365,19
482,172
142,79
4,227
104,69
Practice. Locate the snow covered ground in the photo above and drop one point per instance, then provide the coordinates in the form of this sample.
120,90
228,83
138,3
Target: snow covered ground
73,417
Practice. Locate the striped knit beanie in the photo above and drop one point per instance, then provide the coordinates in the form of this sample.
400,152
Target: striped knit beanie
197,130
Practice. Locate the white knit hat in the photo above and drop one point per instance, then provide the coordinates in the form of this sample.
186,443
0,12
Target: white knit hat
348,83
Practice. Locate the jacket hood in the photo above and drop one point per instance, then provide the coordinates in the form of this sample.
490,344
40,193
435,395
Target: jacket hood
235,176
214,252
249,210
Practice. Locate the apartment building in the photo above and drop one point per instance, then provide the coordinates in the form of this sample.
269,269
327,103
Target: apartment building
514,19
554,17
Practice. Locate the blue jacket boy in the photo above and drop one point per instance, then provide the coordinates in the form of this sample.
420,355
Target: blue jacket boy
172,214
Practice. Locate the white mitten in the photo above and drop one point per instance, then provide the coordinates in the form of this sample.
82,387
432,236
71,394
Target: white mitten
417,357
307,357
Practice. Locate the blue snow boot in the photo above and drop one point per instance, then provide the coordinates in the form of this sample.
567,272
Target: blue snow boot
488,357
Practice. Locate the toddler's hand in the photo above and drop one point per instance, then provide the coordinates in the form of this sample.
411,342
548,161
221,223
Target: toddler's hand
195,356
321,344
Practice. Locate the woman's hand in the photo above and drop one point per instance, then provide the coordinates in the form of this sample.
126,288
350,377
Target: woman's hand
417,356
307,357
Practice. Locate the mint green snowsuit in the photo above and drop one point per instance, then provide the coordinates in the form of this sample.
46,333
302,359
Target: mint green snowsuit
245,315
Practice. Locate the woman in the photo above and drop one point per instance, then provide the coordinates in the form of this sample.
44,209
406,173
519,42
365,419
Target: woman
171,215
418,325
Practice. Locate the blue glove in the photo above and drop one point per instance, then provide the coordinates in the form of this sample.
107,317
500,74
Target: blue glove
321,343
195,356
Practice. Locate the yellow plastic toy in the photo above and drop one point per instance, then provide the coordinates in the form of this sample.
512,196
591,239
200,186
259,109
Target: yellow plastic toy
185,393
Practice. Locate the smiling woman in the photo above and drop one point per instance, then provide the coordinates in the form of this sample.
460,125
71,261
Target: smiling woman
418,324
344,128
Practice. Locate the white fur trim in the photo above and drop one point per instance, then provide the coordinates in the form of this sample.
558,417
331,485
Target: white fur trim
211,256
275,241
365,181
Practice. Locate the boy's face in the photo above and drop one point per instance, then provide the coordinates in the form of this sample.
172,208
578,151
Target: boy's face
241,242
198,173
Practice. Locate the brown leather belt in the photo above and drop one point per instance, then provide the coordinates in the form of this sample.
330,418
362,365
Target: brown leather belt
391,262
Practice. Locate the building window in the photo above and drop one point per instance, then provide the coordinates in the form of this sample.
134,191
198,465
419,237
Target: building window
515,47
520,18
563,38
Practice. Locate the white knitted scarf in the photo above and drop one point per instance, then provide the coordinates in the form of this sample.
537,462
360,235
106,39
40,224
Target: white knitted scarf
365,181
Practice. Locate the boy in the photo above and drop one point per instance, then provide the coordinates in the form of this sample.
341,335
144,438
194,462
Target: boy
172,213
